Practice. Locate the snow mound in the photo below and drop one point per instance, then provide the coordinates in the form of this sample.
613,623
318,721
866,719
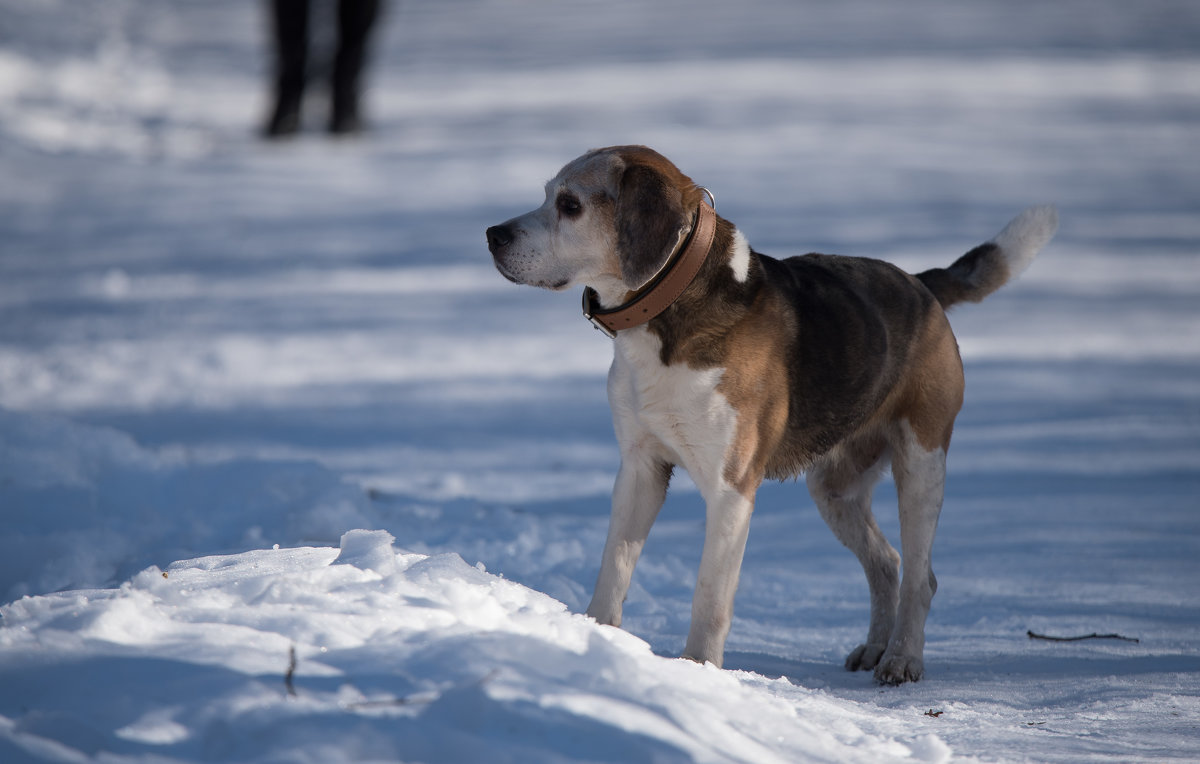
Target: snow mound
283,654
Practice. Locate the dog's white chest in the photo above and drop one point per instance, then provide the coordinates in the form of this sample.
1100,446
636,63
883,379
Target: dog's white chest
676,410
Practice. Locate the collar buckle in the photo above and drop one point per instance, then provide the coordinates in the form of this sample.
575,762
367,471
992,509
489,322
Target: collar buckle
589,306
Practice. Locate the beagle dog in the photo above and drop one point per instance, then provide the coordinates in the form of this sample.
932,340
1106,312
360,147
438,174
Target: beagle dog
740,367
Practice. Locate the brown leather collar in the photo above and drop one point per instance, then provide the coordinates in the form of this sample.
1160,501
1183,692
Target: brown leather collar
663,289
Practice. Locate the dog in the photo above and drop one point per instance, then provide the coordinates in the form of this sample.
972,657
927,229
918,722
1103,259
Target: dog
739,367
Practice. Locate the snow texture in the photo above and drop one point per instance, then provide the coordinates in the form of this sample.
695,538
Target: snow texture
288,472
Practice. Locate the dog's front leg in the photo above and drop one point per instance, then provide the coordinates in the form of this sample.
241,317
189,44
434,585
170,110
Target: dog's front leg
726,528
638,495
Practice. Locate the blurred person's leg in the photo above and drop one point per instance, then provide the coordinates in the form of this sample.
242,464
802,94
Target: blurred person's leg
355,21
290,25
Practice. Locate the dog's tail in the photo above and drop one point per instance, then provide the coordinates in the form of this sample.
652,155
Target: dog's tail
991,265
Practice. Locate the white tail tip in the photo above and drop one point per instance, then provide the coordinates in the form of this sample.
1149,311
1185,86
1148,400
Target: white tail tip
1025,235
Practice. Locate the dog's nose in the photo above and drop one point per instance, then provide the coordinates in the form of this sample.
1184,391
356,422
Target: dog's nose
498,237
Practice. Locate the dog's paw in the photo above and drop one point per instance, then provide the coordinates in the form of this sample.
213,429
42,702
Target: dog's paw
864,657
896,668
704,653
605,609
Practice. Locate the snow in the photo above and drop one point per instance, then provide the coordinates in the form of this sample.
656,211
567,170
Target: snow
398,656
264,405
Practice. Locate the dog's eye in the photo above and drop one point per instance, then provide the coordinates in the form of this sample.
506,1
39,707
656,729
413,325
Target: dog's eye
569,205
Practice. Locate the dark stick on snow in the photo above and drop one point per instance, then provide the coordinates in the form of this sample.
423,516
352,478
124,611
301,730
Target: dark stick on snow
291,672
1034,635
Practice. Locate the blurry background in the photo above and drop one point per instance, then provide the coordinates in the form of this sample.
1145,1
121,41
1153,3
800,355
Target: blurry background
165,272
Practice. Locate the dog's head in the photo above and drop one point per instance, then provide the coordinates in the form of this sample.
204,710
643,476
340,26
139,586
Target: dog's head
611,220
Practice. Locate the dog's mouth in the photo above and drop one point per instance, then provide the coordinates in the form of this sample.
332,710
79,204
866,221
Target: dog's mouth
556,286
506,274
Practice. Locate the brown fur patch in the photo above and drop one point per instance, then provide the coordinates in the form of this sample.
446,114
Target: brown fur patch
640,156
932,393
755,383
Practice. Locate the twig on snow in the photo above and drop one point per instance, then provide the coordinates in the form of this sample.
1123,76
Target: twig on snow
291,672
1035,635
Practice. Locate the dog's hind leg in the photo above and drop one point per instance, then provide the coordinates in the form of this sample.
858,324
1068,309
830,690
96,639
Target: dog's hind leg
842,486
919,440
920,476
638,496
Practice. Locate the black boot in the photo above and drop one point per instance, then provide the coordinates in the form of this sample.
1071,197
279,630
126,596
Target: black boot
355,20
290,25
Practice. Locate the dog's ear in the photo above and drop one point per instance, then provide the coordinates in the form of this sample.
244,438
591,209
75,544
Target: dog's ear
650,219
